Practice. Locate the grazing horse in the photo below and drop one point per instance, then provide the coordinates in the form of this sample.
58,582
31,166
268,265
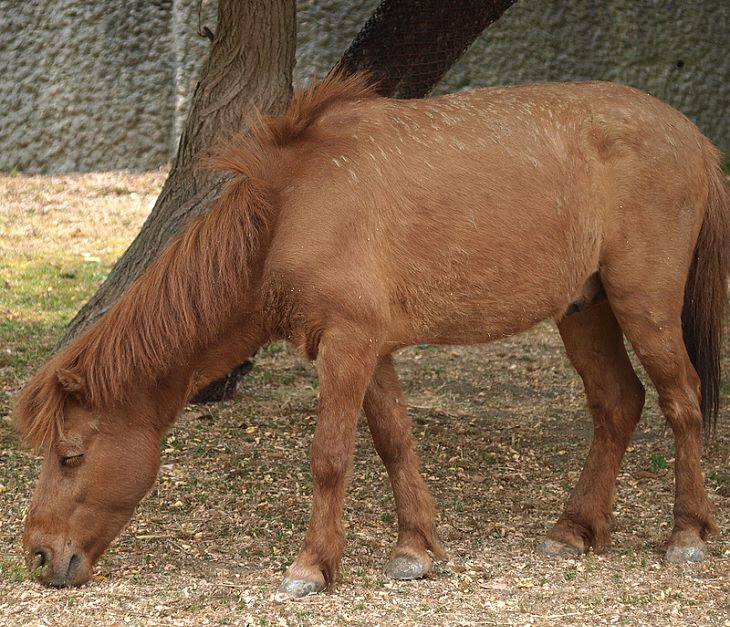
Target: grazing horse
355,225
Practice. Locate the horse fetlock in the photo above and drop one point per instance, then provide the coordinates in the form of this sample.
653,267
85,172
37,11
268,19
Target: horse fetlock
420,537
435,547
696,520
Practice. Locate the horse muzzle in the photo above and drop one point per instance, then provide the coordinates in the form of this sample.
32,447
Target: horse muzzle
57,562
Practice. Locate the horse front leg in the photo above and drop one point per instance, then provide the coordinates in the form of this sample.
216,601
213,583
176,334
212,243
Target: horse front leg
345,367
390,428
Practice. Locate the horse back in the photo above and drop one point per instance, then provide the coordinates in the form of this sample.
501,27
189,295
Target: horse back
475,215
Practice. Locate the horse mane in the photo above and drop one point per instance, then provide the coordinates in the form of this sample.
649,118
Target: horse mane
184,300
240,155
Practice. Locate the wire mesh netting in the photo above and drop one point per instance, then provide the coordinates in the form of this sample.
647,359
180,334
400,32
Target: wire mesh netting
408,45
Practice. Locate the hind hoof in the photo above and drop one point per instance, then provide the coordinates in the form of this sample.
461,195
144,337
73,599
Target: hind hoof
406,567
552,548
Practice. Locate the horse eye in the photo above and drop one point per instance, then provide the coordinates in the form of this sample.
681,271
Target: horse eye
71,461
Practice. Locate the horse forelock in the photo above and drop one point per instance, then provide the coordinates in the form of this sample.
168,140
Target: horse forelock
37,411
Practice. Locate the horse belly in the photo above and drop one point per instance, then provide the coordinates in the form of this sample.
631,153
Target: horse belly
480,303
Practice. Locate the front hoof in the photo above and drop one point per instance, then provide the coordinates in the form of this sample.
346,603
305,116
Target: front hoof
406,567
554,548
298,588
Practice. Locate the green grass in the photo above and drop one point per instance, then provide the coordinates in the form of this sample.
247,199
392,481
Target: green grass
719,479
45,291
14,570
37,299
658,461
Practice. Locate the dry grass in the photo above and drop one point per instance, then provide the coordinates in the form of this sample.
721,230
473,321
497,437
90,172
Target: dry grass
501,429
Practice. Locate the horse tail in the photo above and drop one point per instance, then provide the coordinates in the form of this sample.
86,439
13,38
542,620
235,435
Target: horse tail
705,299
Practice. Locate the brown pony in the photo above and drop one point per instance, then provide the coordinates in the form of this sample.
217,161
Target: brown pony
355,225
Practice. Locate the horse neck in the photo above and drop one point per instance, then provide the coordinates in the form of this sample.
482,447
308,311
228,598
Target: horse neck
235,345
182,307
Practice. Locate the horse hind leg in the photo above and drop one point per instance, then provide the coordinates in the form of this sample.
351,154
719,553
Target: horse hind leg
594,344
390,428
655,331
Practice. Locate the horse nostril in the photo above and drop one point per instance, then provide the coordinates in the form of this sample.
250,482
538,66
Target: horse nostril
40,558
72,564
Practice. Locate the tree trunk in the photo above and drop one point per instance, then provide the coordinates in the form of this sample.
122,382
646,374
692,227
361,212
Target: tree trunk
408,45
250,66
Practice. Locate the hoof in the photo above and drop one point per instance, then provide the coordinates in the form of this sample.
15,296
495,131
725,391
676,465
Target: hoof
298,588
407,567
553,548
685,546
682,554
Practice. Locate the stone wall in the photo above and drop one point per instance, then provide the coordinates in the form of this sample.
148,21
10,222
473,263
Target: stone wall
105,84
96,85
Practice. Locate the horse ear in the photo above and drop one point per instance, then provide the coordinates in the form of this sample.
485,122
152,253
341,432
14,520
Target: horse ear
71,381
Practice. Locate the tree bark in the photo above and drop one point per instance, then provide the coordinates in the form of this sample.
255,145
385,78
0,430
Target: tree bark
250,66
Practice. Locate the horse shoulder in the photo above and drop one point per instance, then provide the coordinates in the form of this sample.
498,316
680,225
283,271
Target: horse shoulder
318,275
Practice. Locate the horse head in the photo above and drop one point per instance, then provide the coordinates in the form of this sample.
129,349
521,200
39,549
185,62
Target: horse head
94,473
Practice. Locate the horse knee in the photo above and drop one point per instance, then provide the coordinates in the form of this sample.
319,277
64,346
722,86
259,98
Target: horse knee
682,412
329,466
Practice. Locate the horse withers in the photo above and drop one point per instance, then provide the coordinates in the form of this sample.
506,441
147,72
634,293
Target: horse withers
355,225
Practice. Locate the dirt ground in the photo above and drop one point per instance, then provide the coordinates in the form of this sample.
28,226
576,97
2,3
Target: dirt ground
502,432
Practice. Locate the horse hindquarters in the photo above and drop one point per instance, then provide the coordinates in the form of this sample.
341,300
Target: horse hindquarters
645,276
594,343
